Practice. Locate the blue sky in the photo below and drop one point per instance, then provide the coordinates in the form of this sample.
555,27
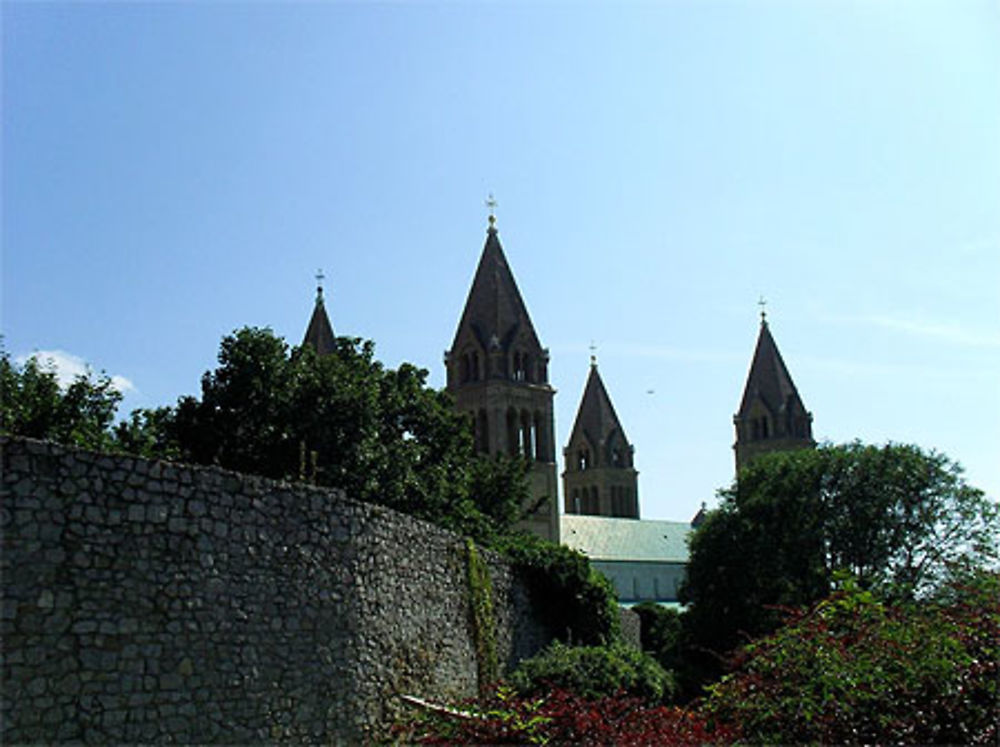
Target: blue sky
173,171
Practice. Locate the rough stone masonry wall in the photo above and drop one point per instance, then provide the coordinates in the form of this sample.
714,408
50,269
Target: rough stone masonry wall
152,602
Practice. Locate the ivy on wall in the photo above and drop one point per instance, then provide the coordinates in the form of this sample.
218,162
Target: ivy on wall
481,616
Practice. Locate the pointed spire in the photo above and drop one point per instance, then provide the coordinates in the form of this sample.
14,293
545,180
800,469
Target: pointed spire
600,477
768,378
596,418
495,313
319,333
772,416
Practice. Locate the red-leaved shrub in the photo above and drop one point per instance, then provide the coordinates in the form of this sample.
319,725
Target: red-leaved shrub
561,717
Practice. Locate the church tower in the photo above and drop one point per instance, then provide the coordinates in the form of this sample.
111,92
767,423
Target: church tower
771,415
498,374
319,333
600,479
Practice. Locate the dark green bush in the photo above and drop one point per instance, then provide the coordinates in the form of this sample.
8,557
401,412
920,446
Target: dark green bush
856,670
593,672
577,603
660,629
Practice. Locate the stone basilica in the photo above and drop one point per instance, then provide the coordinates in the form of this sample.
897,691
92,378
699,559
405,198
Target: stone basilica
497,372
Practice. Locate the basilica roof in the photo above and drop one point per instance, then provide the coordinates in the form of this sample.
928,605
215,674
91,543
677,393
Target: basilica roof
601,538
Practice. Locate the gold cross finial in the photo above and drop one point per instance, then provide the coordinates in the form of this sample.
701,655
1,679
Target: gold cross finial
763,308
491,203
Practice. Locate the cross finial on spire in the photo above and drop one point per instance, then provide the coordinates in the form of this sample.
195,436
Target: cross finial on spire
491,203
763,309
319,284
593,353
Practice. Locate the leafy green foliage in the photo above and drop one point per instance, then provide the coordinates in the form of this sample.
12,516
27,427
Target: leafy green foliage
660,630
33,404
593,672
894,517
339,420
856,670
561,717
576,602
483,620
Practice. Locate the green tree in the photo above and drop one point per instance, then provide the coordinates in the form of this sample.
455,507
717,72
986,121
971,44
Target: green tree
33,404
340,420
894,517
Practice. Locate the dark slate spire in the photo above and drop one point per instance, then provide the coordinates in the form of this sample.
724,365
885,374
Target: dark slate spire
600,478
596,419
319,333
495,313
769,378
772,416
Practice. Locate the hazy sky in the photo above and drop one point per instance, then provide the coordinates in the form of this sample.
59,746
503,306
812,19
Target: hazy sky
173,171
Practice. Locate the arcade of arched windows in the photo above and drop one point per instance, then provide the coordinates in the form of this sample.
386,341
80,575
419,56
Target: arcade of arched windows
520,369
586,500
468,367
528,434
622,501
759,428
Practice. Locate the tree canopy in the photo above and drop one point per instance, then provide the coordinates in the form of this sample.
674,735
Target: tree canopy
33,404
340,420
894,517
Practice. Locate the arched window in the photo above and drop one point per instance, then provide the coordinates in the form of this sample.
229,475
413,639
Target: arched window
483,433
576,501
541,438
524,443
475,367
520,366
513,430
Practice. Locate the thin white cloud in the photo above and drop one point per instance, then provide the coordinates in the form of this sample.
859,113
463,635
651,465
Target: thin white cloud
67,367
869,369
955,334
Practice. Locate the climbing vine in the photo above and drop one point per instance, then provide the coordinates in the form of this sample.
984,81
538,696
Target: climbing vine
482,619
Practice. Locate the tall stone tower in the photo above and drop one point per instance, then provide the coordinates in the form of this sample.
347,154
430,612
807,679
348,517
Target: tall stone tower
498,374
319,333
600,478
771,415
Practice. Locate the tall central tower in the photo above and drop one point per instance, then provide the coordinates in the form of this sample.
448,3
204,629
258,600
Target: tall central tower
498,374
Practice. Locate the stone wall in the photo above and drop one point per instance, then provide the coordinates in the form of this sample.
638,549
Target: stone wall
154,602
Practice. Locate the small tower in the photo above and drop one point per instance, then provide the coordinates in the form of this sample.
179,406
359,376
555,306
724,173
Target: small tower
600,478
319,333
498,373
772,416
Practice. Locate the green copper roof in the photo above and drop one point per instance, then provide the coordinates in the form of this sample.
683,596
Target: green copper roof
603,538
